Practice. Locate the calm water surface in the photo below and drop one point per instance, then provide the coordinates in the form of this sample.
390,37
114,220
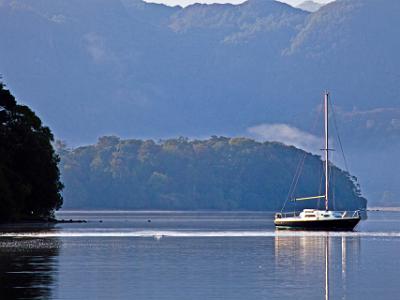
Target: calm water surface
183,255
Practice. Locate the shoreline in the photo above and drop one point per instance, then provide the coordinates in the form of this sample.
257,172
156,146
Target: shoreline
40,222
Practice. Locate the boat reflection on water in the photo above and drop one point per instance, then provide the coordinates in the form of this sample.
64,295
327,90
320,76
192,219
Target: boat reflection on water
28,267
327,267
320,262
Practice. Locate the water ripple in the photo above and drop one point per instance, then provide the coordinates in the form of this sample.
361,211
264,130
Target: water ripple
183,234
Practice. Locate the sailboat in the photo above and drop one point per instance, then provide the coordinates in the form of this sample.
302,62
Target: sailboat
315,219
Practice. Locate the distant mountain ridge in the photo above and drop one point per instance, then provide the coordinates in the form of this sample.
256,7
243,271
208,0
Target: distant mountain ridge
136,69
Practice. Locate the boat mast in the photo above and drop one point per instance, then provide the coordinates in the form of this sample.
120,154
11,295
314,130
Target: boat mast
326,151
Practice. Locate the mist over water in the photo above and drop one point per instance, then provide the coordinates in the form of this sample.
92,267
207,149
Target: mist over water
191,255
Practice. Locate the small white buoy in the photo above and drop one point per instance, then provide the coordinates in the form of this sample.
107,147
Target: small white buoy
158,237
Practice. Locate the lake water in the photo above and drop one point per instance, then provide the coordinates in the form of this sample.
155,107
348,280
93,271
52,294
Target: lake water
187,255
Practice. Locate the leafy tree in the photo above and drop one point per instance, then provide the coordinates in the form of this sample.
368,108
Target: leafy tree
30,186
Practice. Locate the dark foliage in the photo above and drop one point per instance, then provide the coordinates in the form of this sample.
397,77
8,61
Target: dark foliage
29,176
218,173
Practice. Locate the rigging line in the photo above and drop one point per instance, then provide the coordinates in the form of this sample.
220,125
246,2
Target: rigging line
304,158
320,184
291,192
300,166
298,177
339,139
295,176
334,189
291,189
333,181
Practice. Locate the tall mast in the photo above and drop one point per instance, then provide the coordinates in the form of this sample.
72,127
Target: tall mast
326,150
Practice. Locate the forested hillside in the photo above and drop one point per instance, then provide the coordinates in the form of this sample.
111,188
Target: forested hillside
136,69
218,173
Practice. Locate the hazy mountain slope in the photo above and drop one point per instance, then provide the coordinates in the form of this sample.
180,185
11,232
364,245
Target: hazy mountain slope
310,6
89,54
341,39
131,68
348,47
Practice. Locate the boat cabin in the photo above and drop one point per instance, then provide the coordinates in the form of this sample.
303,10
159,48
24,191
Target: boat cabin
319,214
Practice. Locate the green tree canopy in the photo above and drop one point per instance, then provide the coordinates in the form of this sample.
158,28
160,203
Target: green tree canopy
218,173
30,186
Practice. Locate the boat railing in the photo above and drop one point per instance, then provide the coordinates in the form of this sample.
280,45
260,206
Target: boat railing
350,213
343,213
287,214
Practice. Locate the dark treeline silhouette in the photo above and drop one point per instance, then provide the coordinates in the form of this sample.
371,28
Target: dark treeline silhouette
219,173
29,175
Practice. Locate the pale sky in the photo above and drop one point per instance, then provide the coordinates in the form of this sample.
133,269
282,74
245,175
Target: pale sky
187,2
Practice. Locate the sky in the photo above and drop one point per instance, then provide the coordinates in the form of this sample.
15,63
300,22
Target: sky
187,2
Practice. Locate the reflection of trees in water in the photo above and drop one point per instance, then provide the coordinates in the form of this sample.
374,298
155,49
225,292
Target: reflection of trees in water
27,267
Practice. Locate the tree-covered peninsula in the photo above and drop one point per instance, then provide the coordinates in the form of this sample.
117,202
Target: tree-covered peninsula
219,173
30,186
